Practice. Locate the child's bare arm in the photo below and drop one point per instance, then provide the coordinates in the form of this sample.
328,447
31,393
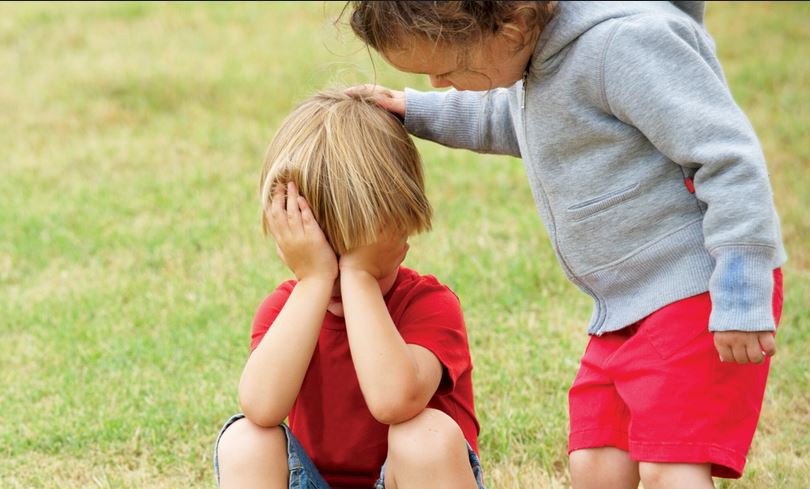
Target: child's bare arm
397,379
275,370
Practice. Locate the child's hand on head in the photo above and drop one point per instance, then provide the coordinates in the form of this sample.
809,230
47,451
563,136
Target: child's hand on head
391,100
378,259
744,346
300,243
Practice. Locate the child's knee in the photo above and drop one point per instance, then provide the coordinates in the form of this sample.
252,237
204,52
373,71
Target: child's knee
664,475
602,467
246,444
428,438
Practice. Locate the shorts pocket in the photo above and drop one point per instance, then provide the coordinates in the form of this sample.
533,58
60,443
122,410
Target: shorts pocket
590,207
680,328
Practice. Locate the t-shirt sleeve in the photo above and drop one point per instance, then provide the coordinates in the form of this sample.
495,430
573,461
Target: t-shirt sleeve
268,312
433,320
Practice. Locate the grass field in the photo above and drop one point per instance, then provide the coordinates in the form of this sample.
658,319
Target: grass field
131,257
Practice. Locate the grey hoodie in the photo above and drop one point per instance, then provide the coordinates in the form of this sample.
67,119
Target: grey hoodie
623,110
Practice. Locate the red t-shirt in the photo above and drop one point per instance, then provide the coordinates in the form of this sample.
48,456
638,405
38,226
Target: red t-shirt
330,417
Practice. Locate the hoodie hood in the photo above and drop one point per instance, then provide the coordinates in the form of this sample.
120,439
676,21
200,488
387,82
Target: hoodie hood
574,18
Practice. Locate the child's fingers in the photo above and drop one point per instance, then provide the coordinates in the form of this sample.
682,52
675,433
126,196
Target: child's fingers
366,89
390,100
754,352
723,349
293,214
278,217
740,353
306,212
767,342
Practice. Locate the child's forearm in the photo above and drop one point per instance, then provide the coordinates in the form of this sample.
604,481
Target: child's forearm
275,370
387,370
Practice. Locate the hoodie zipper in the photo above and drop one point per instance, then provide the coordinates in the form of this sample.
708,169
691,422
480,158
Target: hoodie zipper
563,261
523,98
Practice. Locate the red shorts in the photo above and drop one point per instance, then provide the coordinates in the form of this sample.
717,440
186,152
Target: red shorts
658,390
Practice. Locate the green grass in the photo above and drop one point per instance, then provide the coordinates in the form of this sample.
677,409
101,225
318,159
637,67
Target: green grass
131,258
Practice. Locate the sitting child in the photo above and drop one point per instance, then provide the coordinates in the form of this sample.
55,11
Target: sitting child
369,359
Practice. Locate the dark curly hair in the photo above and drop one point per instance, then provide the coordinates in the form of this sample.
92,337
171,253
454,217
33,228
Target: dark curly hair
390,24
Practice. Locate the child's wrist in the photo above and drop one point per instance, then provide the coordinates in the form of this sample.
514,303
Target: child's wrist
326,280
349,273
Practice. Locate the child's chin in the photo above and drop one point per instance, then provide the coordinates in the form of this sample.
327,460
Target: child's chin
335,308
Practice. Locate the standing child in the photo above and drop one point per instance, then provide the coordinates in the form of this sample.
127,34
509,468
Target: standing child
369,359
654,191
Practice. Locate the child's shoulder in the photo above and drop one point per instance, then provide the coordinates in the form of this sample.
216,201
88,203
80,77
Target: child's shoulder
413,289
409,279
272,304
284,289
595,24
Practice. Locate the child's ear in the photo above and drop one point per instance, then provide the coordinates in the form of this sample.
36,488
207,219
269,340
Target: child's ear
516,32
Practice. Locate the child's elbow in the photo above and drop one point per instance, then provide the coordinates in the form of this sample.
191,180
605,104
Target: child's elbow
263,420
391,411
261,415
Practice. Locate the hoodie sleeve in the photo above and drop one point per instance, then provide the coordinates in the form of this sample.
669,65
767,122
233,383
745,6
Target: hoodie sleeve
661,76
478,121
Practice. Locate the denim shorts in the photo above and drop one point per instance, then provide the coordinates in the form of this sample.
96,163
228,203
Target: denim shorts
304,474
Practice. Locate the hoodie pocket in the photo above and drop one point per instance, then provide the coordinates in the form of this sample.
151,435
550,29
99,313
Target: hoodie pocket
585,209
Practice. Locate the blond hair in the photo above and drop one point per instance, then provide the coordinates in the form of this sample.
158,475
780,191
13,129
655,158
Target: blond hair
355,165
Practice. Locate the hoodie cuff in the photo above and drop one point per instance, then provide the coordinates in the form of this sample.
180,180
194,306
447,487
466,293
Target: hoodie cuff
741,288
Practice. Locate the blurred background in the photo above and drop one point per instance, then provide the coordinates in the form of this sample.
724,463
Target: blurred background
132,261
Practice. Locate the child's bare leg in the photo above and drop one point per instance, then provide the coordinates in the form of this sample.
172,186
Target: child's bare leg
428,451
603,467
665,476
252,457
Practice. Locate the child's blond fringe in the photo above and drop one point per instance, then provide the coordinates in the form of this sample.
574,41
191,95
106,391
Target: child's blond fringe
355,165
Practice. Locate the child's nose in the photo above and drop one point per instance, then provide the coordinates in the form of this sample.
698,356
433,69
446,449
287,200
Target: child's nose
437,82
